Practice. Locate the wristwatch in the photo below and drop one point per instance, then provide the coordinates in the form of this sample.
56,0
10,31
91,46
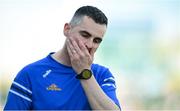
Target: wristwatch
85,74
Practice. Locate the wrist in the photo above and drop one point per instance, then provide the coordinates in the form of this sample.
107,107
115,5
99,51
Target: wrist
84,75
80,71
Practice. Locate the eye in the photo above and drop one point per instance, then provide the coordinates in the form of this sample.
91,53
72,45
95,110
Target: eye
85,35
97,40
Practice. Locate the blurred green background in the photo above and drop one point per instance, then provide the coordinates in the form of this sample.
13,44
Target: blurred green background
141,46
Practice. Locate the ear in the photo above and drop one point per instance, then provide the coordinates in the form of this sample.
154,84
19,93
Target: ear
66,30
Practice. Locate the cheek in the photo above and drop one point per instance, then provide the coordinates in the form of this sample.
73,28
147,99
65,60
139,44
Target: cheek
97,45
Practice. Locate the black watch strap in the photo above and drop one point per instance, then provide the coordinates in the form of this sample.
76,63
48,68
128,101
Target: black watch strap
85,74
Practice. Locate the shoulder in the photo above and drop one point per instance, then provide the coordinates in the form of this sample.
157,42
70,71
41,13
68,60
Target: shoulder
35,64
101,72
30,68
99,68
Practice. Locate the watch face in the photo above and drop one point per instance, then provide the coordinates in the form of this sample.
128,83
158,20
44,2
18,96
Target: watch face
86,74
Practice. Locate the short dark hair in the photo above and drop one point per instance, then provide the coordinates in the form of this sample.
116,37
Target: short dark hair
96,14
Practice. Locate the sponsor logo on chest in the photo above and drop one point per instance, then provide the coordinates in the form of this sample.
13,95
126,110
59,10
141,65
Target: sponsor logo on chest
53,87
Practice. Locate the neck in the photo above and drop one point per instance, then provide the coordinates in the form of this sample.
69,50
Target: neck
62,56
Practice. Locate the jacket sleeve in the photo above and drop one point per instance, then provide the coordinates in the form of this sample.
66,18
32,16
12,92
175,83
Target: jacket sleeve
109,86
20,94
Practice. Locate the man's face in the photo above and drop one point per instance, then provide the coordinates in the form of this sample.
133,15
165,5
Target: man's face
89,32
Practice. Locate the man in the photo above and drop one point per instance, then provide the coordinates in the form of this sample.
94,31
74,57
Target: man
68,79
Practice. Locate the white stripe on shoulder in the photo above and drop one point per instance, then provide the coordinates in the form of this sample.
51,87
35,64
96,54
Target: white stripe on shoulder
22,87
110,78
109,85
16,93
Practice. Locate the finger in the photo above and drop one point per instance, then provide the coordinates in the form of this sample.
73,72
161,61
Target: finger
75,45
70,48
69,51
69,43
83,48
